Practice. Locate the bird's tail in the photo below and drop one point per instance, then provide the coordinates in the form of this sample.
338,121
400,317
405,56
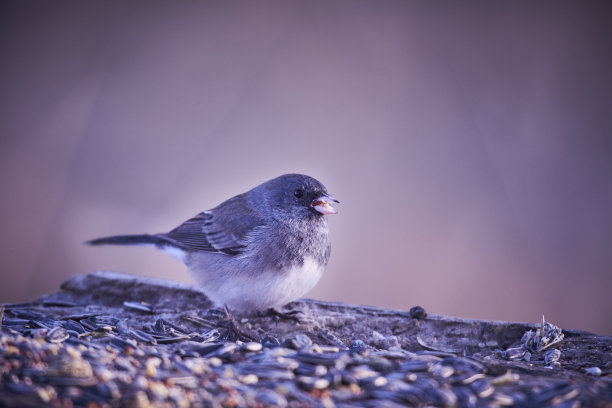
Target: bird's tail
143,239
160,241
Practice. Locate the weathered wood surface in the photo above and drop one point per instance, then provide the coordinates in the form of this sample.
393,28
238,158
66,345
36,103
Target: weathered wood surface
436,360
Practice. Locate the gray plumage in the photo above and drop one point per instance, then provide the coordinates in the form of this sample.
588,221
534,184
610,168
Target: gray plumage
257,250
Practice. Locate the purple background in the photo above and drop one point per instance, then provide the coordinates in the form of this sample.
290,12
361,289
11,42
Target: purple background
469,143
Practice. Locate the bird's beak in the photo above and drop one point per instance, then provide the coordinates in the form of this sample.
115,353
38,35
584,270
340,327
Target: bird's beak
323,204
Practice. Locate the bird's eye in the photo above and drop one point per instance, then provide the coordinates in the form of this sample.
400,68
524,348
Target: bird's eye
298,193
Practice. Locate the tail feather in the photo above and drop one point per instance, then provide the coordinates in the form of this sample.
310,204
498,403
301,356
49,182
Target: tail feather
160,241
142,239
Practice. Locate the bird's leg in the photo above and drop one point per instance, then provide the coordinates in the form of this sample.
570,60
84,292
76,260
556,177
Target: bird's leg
233,332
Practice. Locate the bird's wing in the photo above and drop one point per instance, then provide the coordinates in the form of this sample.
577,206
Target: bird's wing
218,230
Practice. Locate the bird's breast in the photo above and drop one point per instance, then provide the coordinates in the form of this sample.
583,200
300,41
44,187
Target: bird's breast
270,288
277,288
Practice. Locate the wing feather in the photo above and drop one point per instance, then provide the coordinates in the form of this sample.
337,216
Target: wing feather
223,229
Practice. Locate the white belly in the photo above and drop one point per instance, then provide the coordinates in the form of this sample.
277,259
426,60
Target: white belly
270,289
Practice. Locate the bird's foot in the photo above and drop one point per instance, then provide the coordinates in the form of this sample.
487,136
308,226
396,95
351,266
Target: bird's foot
233,332
290,315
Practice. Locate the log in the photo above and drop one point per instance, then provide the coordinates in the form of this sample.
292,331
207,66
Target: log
117,339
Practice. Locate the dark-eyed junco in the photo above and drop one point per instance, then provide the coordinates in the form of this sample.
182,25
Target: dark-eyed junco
258,250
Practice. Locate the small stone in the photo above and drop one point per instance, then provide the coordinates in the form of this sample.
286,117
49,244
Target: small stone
249,379
357,345
594,371
418,312
552,356
252,346
380,381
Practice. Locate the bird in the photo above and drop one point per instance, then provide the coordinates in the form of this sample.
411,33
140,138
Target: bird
257,251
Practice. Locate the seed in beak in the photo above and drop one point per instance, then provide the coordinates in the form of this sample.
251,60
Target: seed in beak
323,205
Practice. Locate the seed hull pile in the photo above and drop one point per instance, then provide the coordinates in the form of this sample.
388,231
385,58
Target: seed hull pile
149,343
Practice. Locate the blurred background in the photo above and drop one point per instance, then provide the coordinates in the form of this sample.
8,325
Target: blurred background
469,143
